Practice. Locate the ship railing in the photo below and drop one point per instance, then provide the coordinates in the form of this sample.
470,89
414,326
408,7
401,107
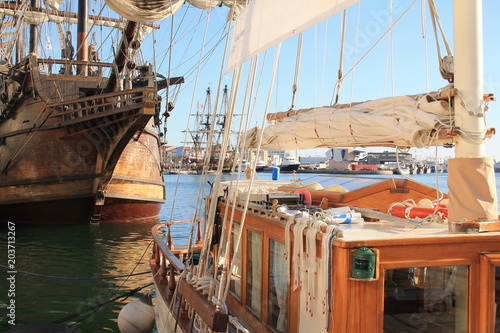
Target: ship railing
165,257
69,66
175,291
92,107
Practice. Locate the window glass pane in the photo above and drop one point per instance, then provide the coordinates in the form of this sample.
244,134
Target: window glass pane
497,300
278,286
235,285
426,299
254,270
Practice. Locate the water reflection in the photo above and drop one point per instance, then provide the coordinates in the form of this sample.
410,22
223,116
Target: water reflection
76,251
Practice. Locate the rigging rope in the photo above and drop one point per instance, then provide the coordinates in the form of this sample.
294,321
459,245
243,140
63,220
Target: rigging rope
250,183
297,70
203,176
100,305
341,57
445,63
378,41
204,257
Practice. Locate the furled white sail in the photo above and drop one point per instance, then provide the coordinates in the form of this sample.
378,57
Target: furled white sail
145,10
155,10
53,4
265,23
405,121
32,17
209,4
235,5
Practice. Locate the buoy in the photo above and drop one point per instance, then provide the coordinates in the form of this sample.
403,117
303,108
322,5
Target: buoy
137,316
276,173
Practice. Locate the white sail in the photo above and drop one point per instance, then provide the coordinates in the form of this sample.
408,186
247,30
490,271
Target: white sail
265,23
405,121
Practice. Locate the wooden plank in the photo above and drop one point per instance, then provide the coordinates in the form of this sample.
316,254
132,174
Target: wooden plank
216,320
474,226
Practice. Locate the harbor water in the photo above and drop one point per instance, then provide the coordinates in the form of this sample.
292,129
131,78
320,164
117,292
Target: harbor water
73,259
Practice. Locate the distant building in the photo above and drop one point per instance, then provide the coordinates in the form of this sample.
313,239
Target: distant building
386,157
343,158
167,155
305,160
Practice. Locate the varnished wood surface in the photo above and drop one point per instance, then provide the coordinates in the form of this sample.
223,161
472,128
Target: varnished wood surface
358,306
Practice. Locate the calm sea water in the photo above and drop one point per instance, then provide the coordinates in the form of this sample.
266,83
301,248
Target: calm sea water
95,251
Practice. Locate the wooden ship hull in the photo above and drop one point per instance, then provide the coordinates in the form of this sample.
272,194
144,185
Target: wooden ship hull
64,148
136,190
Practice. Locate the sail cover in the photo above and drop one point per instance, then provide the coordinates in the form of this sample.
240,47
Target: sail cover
264,23
145,10
404,121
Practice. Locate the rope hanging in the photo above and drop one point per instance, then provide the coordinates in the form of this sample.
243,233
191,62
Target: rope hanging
446,66
376,43
341,57
297,70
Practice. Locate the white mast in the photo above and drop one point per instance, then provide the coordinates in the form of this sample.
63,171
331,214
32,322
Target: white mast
468,41
471,178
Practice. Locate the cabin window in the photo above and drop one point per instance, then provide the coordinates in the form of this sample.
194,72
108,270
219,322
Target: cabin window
236,268
426,299
254,271
278,287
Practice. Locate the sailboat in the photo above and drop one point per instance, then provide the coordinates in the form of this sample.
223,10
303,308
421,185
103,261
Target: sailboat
207,134
346,253
80,136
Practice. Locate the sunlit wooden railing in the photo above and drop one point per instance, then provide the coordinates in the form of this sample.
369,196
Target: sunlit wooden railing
165,253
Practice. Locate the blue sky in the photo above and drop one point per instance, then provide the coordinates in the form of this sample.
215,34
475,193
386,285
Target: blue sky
407,65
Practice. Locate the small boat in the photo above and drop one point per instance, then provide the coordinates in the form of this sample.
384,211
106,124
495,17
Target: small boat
289,163
177,172
345,253
260,166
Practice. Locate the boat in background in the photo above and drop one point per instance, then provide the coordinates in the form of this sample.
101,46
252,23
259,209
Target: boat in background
260,166
289,163
177,172
344,253
206,136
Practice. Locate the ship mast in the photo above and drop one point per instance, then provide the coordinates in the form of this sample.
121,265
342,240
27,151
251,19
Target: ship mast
469,74
33,31
471,178
82,35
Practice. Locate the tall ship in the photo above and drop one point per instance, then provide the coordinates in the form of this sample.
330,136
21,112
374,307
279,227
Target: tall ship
346,253
206,135
79,137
